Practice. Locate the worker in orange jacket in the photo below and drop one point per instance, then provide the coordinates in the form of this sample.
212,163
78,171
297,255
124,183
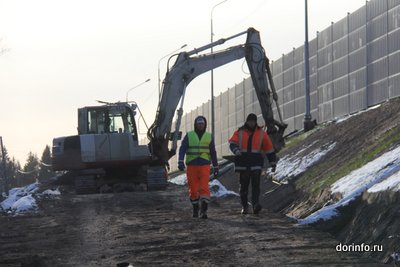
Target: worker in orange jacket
250,144
199,148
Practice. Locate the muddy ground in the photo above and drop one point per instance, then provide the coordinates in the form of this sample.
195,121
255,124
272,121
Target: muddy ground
156,229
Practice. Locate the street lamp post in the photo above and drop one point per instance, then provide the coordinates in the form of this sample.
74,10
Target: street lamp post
212,74
135,87
159,79
308,124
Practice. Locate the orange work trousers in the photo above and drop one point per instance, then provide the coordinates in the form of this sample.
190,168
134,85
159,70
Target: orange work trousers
198,177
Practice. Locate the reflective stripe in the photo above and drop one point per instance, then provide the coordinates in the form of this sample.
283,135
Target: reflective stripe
255,168
205,199
241,168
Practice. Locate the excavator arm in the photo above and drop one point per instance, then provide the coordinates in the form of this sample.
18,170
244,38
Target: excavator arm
188,66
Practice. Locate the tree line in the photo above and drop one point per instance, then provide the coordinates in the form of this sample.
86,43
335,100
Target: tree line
34,170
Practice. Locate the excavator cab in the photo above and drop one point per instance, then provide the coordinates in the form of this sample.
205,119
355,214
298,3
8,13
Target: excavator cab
114,118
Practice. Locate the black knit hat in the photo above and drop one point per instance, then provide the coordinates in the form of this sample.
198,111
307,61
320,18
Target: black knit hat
252,117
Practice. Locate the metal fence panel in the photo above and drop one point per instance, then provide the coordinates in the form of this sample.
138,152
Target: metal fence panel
288,93
341,87
314,100
357,19
377,92
358,100
357,39
300,106
313,83
325,111
313,65
232,120
299,122
288,61
339,29
358,80
278,81
299,89
248,94
377,71
341,106
288,110
299,55
232,100
394,86
288,77
393,43
325,37
325,74
224,109
393,3
240,117
239,89
325,93
340,67
324,56
339,48
239,102
394,18
312,47
394,63
377,27
358,59
298,72
376,8
377,49
277,66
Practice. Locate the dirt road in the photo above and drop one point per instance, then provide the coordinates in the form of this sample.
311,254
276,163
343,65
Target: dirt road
155,229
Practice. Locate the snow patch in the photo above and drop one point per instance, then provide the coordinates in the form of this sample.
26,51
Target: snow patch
292,165
219,190
50,192
22,199
391,183
179,180
380,174
23,204
368,175
16,193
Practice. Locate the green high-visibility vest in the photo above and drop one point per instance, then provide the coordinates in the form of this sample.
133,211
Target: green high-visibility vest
198,148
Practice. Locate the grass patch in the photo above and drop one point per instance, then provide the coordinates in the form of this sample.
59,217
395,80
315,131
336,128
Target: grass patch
384,143
294,141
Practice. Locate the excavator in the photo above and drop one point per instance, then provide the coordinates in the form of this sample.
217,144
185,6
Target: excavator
106,148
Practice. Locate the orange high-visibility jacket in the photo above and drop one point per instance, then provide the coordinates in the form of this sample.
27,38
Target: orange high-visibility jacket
253,150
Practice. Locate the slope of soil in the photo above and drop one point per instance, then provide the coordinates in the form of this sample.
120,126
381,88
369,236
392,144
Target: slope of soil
358,140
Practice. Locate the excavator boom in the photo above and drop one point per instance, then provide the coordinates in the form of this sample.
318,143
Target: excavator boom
188,66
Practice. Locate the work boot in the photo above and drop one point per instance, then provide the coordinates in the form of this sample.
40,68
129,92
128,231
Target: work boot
203,211
257,208
195,210
245,210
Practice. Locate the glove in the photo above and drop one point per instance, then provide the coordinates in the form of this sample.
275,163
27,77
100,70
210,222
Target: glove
237,152
216,172
181,166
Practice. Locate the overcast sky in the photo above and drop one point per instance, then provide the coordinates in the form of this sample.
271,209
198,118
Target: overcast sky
65,54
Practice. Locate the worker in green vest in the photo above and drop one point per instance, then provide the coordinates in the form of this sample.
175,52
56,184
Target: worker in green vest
199,148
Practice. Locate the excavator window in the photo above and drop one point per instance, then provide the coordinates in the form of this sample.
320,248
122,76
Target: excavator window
98,121
115,119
